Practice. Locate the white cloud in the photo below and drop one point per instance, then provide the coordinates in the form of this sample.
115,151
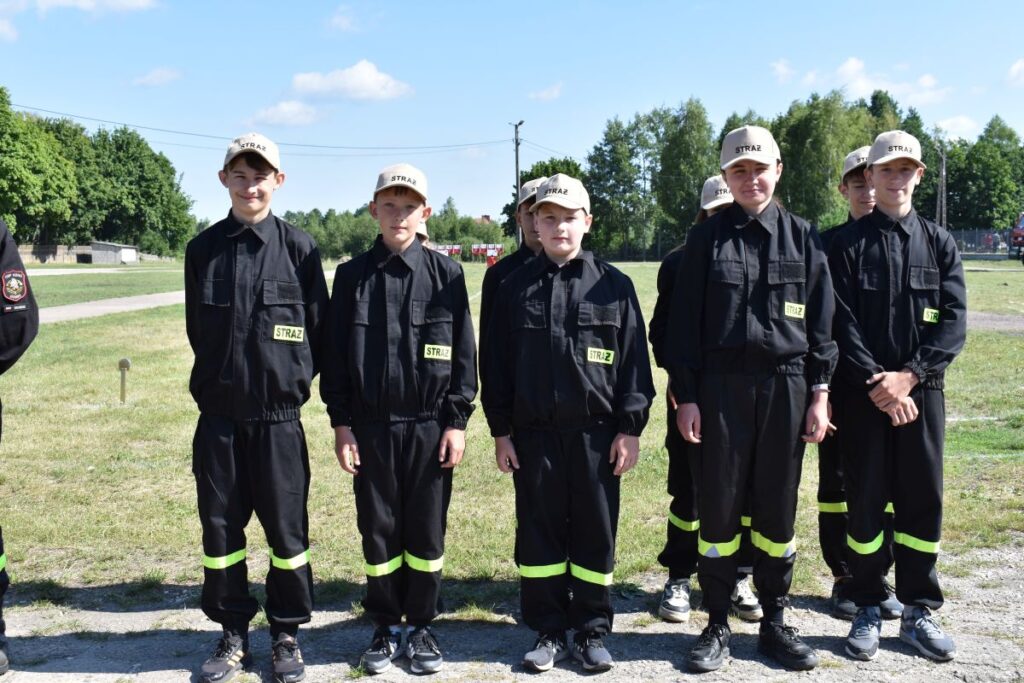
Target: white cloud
361,81
7,31
157,77
1016,74
287,113
342,19
810,78
552,92
959,127
782,70
853,76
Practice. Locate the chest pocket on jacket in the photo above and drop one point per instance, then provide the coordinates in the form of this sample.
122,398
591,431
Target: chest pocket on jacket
924,290
723,304
215,293
788,283
598,342
532,315
432,322
871,279
283,314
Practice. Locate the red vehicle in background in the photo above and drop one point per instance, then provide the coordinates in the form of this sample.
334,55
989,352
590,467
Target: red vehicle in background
1016,249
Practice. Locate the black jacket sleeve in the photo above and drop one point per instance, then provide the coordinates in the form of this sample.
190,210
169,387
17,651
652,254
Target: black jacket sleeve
658,326
19,322
634,390
458,403
686,316
822,352
314,286
499,365
335,377
942,341
856,358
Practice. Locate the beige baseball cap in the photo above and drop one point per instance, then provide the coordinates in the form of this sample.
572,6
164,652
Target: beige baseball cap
529,190
402,175
858,158
895,144
563,190
254,142
421,230
715,193
749,142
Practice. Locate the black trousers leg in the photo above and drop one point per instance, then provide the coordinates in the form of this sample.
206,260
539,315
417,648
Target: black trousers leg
679,555
832,508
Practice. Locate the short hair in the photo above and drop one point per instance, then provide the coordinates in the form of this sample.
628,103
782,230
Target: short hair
859,170
255,161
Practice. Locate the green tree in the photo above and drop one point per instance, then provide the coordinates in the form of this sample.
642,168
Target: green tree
927,192
688,158
92,204
613,181
734,121
989,191
541,169
886,112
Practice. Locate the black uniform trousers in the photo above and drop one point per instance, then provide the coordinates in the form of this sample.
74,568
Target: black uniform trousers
904,463
751,455
832,506
241,468
567,512
5,581
402,495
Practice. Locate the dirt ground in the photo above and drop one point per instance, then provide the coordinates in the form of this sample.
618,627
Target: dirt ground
90,638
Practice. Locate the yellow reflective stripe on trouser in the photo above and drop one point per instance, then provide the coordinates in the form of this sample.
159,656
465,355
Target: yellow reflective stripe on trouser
300,560
384,568
864,548
684,524
888,507
916,543
224,562
421,565
590,576
723,549
745,521
772,548
3,562
543,571
832,507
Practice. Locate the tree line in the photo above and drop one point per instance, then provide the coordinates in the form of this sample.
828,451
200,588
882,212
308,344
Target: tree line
645,175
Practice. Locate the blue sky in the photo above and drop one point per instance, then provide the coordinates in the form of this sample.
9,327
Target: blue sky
430,74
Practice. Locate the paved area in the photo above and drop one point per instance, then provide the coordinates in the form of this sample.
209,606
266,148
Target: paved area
92,309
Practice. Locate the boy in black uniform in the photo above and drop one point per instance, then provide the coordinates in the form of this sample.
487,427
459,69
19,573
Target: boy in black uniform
900,321
255,296
399,381
860,197
680,553
750,356
567,395
19,323
529,248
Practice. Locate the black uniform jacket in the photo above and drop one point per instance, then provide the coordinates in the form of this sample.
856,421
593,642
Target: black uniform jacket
658,325
494,277
900,296
399,340
19,315
754,296
567,350
826,236
255,299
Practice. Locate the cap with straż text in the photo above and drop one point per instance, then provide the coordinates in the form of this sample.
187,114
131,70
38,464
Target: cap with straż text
529,190
256,143
402,175
715,193
565,191
749,142
895,144
858,158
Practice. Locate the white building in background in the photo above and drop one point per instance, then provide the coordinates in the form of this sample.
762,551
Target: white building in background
111,252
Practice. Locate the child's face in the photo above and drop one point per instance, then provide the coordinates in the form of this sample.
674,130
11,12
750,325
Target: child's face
858,193
527,221
561,230
398,211
752,183
894,183
250,190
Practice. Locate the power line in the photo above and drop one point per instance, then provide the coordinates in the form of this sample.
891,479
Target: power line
352,155
547,149
461,145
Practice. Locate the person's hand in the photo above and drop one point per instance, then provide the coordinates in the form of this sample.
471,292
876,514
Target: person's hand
505,454
346,449
816,422
688,421
890,387
903,413
831,427
672,400
624,453
453,446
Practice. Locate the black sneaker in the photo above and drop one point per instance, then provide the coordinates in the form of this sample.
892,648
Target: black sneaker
711,649
288,664
782,644
891,607
840,606
423,651
588,647
549,649
385,647
228,660
5,662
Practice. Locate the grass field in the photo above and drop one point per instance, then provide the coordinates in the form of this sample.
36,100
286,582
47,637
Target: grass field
57,290
100,493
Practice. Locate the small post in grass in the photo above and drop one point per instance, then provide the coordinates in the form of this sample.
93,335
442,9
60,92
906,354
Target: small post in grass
124,365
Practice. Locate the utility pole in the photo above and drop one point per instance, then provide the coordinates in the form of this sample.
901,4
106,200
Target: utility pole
518,186
940,194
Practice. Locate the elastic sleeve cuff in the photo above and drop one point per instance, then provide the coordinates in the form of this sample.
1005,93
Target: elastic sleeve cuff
339,418
455,423
918,370
500,426
632,424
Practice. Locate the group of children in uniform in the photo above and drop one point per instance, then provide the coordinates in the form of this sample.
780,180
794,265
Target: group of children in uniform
751,321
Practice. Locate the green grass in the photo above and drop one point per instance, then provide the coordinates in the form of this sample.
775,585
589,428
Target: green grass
57,290
999,291
102,494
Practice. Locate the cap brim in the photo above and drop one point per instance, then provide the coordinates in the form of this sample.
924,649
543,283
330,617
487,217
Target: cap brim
275,164
894,157
760,158
400,184
560,201
715,203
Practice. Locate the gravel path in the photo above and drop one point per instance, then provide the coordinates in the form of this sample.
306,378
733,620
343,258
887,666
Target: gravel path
92,309
167,641
995,322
